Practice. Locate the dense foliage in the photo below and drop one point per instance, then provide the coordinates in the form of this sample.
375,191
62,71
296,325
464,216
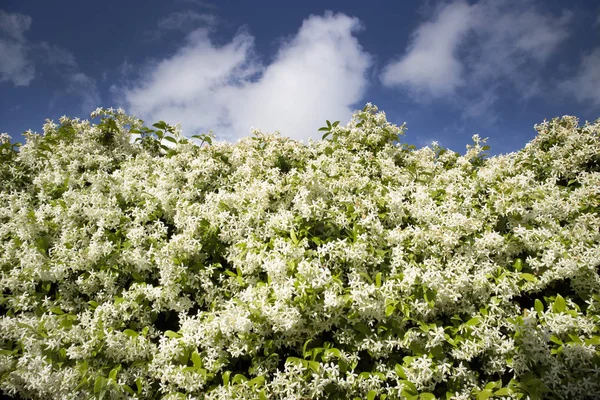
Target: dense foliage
350,267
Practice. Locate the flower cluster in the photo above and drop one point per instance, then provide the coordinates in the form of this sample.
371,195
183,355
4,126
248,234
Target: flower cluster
353,266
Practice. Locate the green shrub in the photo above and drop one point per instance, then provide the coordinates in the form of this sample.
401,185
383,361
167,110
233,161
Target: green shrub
350,267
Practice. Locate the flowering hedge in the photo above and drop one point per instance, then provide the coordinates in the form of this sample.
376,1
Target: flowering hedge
350,267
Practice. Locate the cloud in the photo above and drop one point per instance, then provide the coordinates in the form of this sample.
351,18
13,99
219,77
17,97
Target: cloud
464,49
513,40
80,86
19,57
481,108
585,84
199,3
431,65
83,86
186,21
15,66
316,75
56,56
181,22
14,25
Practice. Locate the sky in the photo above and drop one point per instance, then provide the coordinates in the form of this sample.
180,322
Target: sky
449,69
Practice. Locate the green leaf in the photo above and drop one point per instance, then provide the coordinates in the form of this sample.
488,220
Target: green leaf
371,395
172,335
314,365
226,376
56,310
538,306
366,276
400,371
138,384
128,389
593,341
336,123
389,310
484,394
335,352
328,124
502,392
429,296
362,328
324,129
427,396
295,360
99,384
113,373
262,395
160,125
409,388
293,236
238,378
473,321
257,381
555,339
130,332
304,348
196,359
170,139
518,264
528,277
559,304
378,280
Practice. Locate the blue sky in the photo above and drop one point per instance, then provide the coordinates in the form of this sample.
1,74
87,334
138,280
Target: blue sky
449,69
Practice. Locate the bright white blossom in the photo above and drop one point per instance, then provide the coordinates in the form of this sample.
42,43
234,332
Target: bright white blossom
354,266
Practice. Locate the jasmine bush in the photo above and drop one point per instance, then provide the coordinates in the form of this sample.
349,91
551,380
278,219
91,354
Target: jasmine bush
350,267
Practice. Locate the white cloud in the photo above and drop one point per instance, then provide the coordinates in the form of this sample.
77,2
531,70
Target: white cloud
199,3
463,50
181,21
186,21
15,66
19,57
18,66
317,75
431,64
14,25
56,56
481,108
126,69
513,40
585,84
81,87
84,87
